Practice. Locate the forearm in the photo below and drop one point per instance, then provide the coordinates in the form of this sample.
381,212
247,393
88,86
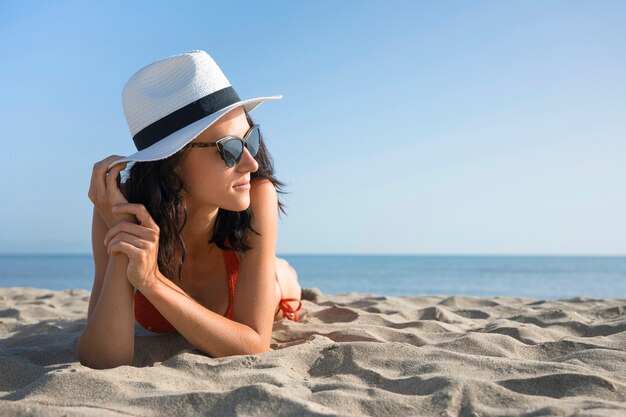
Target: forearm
213,334
108,337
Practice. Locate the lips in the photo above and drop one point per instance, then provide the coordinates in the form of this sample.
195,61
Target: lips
241,183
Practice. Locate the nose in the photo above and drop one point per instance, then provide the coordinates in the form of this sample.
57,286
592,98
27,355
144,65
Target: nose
247,163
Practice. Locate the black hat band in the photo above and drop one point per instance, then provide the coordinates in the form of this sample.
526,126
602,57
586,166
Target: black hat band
185,116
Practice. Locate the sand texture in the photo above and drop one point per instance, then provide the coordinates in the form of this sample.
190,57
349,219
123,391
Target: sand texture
350,355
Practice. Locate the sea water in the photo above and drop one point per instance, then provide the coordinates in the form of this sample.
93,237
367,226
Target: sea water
539,277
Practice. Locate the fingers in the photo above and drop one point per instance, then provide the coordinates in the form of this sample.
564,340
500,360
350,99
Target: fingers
112,178
97,188
140,211
133,252
115,162
133,240
128,228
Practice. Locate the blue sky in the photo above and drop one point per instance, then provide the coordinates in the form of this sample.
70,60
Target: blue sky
405,127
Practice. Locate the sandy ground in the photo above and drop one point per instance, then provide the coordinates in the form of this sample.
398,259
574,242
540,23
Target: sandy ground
350,355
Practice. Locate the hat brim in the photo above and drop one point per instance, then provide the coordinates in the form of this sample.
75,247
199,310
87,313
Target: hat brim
172,143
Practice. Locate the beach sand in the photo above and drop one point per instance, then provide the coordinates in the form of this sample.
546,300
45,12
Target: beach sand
351,354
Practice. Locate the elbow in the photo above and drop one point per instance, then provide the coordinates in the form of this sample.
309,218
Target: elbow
258,344
260,349
250,350
252,344
102,363
98,365
97,360
255,343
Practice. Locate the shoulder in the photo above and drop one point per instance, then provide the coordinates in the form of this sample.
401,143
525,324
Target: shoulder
263,195
264,206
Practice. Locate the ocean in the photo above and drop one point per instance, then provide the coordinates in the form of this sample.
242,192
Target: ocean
538,277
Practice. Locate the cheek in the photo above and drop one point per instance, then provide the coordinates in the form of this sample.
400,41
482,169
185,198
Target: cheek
207,182
204,182
200,168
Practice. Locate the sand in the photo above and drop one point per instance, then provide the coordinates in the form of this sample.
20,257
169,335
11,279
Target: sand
351,354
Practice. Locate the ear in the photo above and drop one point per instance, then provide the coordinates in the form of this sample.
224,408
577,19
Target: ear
178,168
183,191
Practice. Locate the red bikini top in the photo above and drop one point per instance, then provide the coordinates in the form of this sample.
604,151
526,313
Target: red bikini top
150,318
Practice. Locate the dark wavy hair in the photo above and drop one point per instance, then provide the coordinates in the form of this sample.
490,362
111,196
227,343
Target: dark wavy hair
156,185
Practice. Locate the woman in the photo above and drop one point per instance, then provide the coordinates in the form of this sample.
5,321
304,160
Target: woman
187,243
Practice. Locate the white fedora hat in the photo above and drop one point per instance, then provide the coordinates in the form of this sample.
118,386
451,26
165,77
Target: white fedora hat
170,102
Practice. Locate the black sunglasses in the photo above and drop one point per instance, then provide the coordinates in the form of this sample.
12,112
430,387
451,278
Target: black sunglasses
231,147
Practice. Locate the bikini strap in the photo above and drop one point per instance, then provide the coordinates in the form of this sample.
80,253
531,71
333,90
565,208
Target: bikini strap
289,312
231,261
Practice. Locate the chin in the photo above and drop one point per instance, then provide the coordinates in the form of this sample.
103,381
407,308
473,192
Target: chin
239,205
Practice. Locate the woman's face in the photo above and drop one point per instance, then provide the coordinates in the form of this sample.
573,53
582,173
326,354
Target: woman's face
208,180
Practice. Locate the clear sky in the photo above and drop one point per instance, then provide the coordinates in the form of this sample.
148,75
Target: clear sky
406,127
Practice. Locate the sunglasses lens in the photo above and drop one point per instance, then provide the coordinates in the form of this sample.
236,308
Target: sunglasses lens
254,140
231,151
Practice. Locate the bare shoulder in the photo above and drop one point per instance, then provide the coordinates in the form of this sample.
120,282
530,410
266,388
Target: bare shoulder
262,192
264,206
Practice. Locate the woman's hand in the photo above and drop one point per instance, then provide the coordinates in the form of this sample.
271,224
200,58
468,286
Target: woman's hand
140,242
104,190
